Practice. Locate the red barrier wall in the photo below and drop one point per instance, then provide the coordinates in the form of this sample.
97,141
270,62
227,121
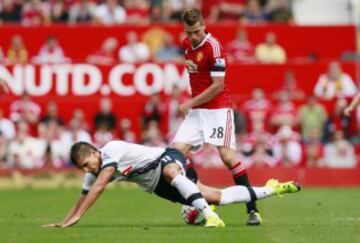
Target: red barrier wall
298,41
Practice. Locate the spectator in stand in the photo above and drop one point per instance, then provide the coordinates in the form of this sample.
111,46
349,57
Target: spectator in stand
51,53
337,121
102,136
257,109
313,149
25,109
55,152
17,53
25,151
51,114
134,51
79,117
126,132
151,135
35,12
254,13
287,149
227,10
256,148
173,9
312,118
7,128
107,55
10,11
270,52
137,11
153,110
82,12
335,84
105,118
339,153
75,134
59,12
279,11
284,112
169,52
290,87
156,12
110,13
241,50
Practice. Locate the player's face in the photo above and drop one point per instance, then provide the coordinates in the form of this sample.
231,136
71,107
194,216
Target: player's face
195,33
91,163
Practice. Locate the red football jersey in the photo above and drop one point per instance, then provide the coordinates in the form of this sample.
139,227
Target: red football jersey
203,62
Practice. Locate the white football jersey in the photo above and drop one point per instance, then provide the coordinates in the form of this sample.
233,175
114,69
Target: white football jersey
130,160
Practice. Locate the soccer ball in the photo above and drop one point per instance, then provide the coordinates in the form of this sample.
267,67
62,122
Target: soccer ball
191,215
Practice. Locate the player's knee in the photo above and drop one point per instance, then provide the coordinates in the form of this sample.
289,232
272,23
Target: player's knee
170,171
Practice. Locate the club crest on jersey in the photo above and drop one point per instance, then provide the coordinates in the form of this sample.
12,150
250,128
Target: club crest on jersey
191,66
199,56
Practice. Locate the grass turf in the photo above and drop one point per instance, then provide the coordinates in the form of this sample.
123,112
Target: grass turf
130,215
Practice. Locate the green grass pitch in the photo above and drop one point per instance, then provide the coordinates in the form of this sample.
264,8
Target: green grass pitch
130,215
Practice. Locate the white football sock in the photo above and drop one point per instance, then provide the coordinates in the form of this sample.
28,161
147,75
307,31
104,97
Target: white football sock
187,188
239,194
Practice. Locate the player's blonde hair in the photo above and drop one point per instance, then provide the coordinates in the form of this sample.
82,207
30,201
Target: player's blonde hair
191,16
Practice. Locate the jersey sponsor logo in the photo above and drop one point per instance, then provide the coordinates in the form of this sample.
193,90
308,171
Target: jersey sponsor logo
220,62
191,66
199,56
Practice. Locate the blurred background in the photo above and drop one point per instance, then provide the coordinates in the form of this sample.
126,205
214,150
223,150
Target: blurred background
99,70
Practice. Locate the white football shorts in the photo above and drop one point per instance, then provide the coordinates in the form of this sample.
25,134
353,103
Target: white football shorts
213,126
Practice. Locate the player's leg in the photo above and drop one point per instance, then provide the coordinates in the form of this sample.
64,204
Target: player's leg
241,194
173,163
240,177
218,128
189,133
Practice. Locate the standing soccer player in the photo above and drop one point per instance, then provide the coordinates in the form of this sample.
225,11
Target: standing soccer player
209,117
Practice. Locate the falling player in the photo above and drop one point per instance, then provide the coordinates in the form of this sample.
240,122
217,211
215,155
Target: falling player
157,170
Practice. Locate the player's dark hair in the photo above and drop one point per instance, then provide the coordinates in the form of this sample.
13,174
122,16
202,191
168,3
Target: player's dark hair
80,150
191,16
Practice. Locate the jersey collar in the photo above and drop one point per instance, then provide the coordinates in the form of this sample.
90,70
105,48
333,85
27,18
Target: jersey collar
202,42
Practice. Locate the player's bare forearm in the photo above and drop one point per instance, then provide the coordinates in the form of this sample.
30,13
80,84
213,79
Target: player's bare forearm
354,103
208,94
94,193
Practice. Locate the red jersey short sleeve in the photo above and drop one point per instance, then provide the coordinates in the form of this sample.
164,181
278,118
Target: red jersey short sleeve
203,62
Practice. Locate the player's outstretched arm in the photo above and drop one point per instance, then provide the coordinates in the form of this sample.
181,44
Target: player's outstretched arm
354,103
70,213
95,191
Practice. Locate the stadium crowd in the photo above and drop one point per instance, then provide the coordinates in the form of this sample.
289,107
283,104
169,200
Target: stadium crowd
110,12
286,128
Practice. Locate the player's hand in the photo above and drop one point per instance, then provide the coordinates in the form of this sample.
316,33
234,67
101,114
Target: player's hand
51,225
70,222
347,111
3,87
184,108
